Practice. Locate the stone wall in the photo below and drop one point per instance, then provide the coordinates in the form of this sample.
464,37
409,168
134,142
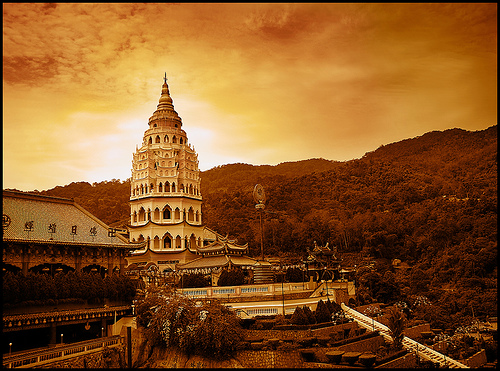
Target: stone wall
366,345
407,361
269,359
295,334
477,360
414,332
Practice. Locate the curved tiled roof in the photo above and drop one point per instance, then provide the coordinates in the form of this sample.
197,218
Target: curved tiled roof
223,245
43,219
217,261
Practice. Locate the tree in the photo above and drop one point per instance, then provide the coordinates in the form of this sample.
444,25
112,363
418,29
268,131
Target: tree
234,277
211,330
396,322
195,280
322,313
299,317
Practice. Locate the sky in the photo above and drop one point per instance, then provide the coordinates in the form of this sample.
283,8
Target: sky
253,83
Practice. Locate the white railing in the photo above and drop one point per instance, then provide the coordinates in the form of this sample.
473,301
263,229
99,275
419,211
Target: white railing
247,290
420,349
39,357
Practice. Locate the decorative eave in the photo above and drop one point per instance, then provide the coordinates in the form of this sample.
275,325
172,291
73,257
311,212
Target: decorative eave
69,243
163,224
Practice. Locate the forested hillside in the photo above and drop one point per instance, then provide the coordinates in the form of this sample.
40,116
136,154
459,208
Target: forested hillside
430,201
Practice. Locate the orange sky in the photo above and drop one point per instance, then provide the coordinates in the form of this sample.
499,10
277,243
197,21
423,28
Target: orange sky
253,83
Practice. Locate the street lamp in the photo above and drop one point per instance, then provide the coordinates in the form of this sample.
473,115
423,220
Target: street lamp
282,292
102,332
10,349
62,338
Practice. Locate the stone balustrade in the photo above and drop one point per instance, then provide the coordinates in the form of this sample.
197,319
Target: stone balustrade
45,319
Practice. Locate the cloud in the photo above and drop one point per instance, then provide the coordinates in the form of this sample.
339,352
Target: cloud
257,83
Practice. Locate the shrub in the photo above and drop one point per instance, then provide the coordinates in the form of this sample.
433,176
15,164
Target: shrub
216,332
322,313
195,280
211,329
294,275
396,322
309,314
233,277
299,317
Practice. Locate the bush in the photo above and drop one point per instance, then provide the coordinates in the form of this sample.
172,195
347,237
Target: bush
211,330
233,277
295,275
396,322
195,280
322,313
310,315
299,317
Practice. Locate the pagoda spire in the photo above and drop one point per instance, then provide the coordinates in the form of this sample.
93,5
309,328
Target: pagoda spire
165,108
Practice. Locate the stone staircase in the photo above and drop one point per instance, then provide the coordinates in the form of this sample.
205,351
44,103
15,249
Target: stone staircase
410,344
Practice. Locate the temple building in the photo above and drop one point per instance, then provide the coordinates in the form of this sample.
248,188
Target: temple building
165,196
53,234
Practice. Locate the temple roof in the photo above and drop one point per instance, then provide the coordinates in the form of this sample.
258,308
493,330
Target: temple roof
35,218
217,261
223,245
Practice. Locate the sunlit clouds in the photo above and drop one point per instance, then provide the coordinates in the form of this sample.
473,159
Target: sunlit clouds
253,83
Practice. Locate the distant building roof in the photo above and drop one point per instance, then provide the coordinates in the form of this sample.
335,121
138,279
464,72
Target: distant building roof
217,261
222,245
44,219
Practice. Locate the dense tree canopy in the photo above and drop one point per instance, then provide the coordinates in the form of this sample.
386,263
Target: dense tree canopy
430,201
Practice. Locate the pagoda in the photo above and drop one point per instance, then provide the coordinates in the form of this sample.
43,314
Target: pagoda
165,197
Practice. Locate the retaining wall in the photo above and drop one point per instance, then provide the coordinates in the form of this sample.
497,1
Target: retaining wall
407,361
366,345
477,360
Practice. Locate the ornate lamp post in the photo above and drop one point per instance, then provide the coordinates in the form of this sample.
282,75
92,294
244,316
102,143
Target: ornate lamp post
10,349
260,197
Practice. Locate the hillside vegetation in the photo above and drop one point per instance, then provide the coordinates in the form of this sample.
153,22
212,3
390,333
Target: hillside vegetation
430,201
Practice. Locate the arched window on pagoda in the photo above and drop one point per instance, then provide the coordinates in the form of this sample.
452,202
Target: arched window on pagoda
156,214
190,215
165,139
167,187
160,187
192,241
167,241
177,214
167,212
150,140
174,139
142,214
157,140
173,187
